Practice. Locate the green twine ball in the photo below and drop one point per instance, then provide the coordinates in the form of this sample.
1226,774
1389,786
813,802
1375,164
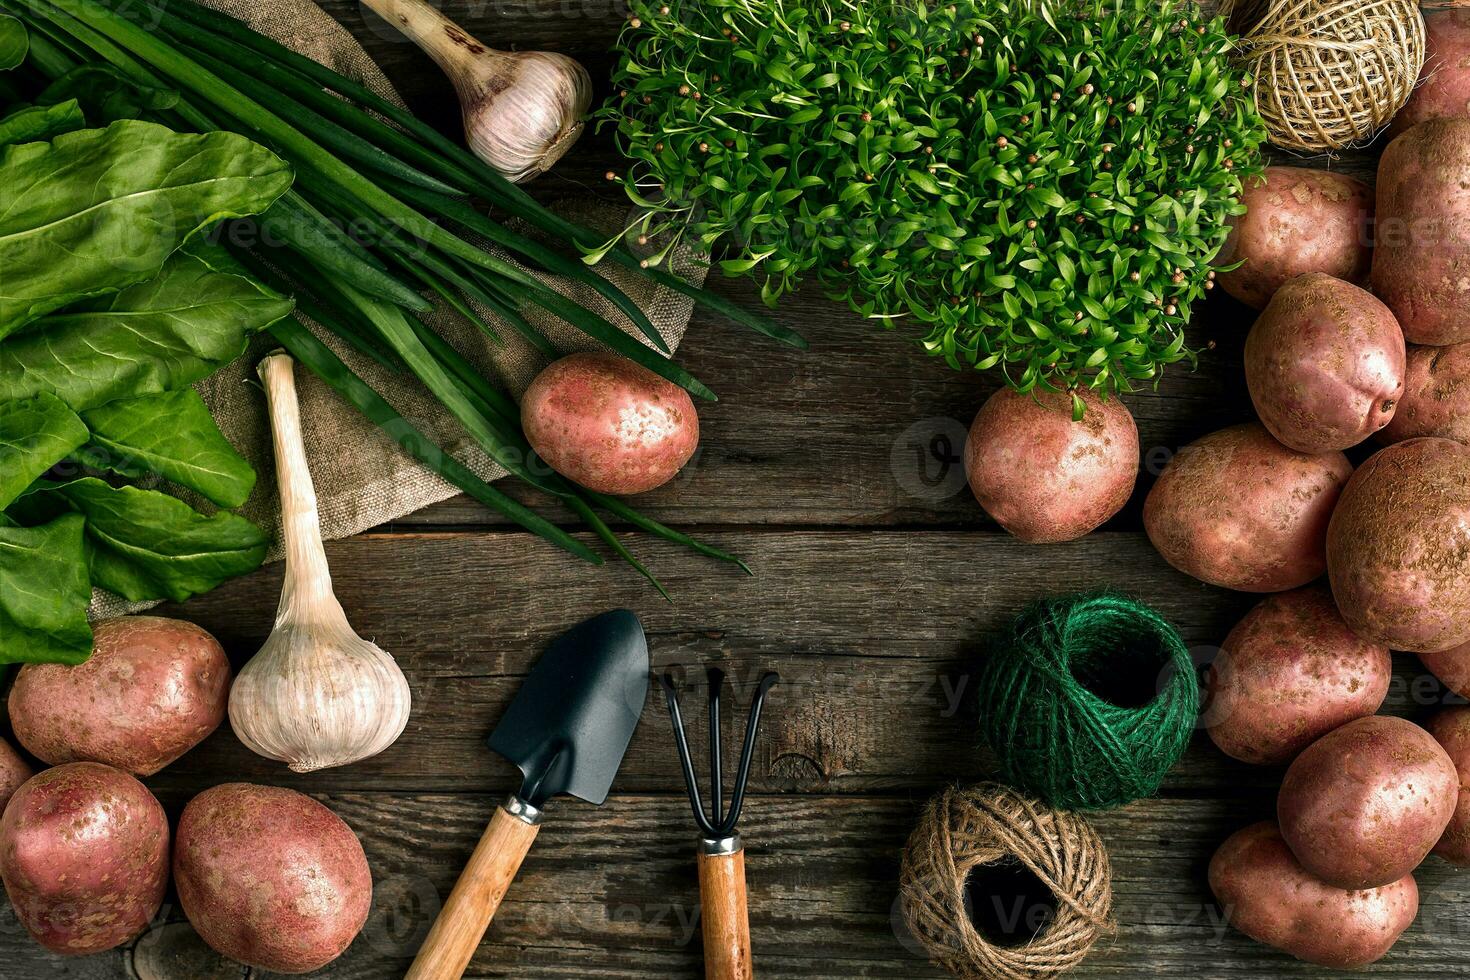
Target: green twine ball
1088,700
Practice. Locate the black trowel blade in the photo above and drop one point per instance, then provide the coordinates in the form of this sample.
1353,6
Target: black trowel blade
569,726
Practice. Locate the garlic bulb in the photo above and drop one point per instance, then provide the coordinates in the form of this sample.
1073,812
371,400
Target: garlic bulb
522,109
316,695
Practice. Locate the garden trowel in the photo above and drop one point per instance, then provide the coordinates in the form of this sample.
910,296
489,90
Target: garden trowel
567,730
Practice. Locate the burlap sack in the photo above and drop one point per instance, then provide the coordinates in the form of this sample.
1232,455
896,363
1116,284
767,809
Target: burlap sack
362,479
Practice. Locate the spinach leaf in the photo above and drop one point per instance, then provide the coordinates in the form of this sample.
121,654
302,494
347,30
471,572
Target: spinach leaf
44,593
143,544
107,93
35,435
14,42
171,435
161,335
97,210
40,122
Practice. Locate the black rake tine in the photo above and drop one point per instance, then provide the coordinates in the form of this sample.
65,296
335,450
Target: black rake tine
747,753
716,767
690,782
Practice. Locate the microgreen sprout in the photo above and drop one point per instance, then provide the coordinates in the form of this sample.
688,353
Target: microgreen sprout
1036,186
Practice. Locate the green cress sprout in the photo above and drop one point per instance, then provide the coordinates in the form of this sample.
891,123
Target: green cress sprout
1037,187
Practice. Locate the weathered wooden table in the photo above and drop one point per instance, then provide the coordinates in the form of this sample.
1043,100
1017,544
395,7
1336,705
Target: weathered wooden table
835,473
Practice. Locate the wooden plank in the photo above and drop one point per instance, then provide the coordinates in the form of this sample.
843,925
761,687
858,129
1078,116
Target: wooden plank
876,635
866,429
612,893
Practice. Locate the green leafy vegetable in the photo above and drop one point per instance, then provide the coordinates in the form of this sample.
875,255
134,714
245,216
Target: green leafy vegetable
161,335
107,93
39,122
14,42
171,435
35,435
1038,186
143,544
97,210
44,593
351,224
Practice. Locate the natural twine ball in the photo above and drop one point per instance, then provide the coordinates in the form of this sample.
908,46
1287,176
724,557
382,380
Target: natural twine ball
1328,74
963,834
1088,700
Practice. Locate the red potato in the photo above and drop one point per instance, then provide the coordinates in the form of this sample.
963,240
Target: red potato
1398,547
1452,667
84,857
1451,729
1297,221
1436,400
1239,510
13,772
609,424
1269,896
1363,805
1290,672
1324,364
1443,91
1421,252
153,689
270,877
1044,477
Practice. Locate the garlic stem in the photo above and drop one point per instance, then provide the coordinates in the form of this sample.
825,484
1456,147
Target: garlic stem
307,590
317,694
522,110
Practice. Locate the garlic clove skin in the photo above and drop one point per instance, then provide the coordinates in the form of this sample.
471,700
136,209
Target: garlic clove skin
524,111
317,695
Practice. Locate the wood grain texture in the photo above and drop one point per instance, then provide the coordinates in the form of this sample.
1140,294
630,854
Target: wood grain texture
877,636
613,894
470,908
879,585
723,907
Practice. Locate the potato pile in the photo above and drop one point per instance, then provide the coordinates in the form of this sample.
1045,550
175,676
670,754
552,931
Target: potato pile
1365,798
267,876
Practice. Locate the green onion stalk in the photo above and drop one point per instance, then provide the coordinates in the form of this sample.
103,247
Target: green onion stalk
363,162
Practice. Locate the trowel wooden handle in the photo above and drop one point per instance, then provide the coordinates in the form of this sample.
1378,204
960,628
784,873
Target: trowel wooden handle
476,896
726,919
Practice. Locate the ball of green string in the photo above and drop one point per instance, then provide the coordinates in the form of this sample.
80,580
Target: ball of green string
1088,700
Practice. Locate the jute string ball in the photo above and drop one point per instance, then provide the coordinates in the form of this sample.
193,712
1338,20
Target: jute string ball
1088,700
965,832
1328,74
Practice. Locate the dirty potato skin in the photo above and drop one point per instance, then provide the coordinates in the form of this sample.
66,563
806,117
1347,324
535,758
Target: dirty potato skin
1288,673
1324,364
1421,253
1363,805
152,690
84,857
1044,477
13,772
1452,667
1451,729
1269,896
1297,221
1436,400
1398,547
271,877
609,424
1239,510
1443,91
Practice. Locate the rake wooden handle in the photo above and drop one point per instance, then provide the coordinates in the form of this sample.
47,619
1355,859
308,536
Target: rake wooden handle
482,884
726,918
